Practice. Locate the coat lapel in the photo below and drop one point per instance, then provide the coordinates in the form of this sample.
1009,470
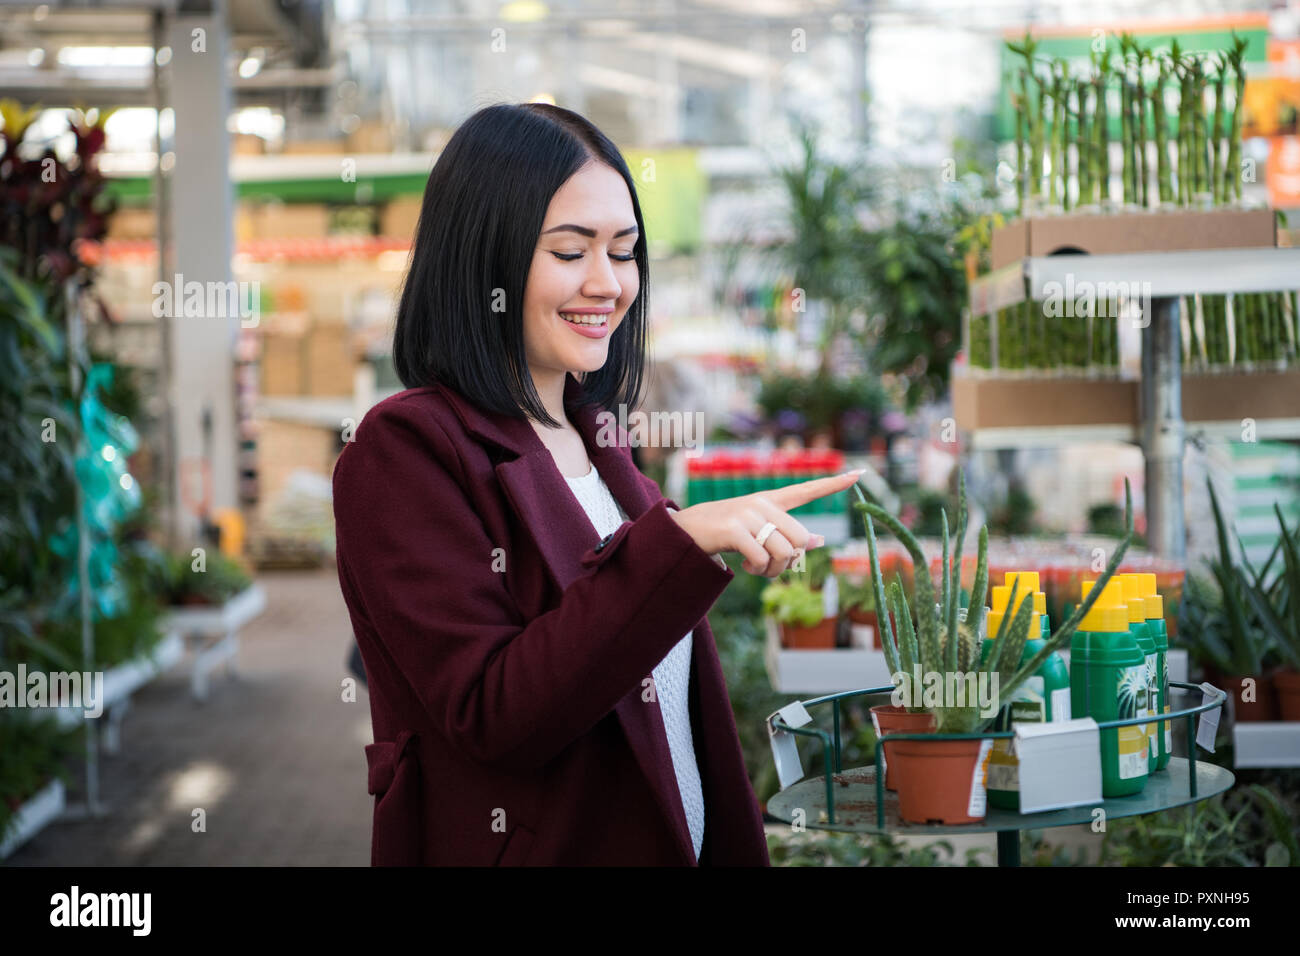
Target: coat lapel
563,533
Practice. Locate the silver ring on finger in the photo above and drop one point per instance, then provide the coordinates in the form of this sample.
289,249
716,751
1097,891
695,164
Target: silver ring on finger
764,533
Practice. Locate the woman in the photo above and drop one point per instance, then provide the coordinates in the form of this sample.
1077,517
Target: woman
544,687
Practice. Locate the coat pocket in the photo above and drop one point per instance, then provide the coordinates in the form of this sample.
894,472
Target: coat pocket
519,844
397,837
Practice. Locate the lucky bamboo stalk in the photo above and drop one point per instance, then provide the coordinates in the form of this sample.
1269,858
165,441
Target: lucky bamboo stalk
1162,134
1140,102
1102,127
1218,156
1126,119
1083,141
1200,173
1058,122
1232,175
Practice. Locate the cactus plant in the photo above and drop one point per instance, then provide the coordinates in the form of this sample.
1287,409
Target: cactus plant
928,643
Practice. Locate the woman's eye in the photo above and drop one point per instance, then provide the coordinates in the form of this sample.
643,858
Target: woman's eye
578,255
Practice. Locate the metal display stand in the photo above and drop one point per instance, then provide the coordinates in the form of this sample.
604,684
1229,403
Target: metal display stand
856,801
1165,276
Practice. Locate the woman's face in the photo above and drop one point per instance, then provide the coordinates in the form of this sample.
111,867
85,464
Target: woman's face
583,264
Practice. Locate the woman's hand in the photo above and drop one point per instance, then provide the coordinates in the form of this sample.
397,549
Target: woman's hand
734,524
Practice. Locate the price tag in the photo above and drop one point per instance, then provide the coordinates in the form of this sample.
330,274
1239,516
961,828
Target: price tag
789,768
1208,725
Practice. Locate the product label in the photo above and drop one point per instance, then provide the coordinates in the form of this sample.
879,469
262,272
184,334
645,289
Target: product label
1132,751
1004,765
978,795
1169,733
1164,690
1153,705
1060,704
1134,742
1029,705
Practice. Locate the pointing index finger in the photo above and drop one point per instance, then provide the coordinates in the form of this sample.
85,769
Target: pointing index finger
792,496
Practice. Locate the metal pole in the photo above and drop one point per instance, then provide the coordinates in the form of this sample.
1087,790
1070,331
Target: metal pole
1163,430
162,196
76,354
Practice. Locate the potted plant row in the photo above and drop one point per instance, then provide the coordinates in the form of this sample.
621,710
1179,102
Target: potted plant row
799,603
935,778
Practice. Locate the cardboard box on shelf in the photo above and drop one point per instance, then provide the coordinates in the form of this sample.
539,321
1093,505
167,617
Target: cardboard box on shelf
1114,233
1063,402
304,220
246,144
284,447
1042,402
400,217
132,222
328,360
370,137
315,147
283,337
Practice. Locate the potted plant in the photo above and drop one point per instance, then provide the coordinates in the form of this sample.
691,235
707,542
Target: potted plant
1278,605
858,603
223,577
1229,637
800,612
935,778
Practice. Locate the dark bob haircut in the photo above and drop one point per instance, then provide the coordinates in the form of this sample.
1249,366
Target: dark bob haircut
460,319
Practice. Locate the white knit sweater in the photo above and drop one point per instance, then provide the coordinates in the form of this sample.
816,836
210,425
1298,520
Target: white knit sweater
672,676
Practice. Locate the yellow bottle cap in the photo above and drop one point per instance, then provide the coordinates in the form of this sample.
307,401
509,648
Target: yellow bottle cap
1040,602
995,621
1137,610
1132,585
1109,614
1147,580
1028,580
1002,596
1155,607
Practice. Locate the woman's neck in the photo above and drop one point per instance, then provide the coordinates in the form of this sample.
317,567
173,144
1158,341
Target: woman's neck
550,389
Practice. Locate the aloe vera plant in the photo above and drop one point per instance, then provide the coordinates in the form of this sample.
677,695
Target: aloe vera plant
940,641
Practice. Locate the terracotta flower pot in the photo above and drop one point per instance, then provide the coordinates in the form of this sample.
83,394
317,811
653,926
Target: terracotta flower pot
820,636
1286,688
936,778
890,719
1263,707
867,619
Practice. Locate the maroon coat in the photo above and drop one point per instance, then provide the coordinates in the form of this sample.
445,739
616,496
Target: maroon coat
507,649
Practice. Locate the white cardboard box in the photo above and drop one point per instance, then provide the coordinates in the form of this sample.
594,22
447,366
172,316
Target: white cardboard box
822,671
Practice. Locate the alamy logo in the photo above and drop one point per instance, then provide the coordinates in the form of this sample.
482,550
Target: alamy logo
53,689
208,300
102,909
1102,300
653,430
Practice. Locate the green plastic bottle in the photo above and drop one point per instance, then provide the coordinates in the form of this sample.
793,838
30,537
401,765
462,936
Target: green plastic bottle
1045,696
1108,682
1155,605
1137,623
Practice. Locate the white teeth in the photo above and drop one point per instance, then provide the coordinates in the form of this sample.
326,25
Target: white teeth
584,319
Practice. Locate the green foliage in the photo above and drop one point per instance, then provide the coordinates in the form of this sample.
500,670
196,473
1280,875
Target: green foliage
943,643
833,848
918,291
1248,826
31,753
1243,624
1015,516
1106,519
793,602
221,579
856,593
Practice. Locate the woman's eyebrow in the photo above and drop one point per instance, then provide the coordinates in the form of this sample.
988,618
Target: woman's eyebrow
589,233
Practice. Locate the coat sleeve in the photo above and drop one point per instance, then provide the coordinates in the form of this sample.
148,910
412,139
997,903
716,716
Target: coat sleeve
507,692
